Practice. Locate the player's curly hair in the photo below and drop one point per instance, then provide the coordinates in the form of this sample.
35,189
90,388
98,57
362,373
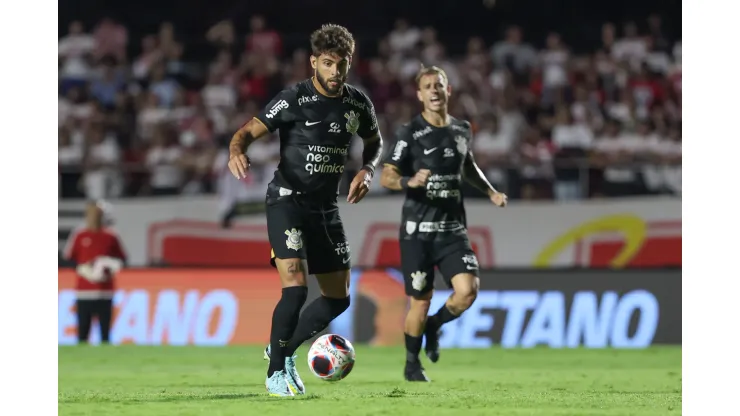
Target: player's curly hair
332,39
430,70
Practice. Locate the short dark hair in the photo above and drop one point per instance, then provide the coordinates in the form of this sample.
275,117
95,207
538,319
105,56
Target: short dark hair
430,70
333,39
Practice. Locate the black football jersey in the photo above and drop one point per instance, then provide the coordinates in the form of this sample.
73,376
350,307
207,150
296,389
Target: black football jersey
315,133
436,211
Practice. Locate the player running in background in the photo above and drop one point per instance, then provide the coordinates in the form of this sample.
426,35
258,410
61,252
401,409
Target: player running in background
316,119
431,158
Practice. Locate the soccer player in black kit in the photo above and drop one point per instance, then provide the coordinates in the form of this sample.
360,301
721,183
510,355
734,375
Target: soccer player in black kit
316,120
431,158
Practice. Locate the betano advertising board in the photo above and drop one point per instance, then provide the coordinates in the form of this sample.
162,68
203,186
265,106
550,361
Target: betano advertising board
559,309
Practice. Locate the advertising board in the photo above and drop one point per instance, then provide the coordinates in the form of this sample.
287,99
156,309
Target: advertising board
624,233
559,309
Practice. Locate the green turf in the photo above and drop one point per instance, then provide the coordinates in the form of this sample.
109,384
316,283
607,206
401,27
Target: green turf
181,381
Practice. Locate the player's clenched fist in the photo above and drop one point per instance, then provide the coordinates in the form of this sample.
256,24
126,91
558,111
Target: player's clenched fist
499,199
239,165
420,179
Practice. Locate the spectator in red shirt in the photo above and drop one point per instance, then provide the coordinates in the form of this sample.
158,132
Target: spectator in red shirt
98,255
262,40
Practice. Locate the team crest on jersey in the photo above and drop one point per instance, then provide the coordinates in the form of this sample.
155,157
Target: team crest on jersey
294,241
410,227
353,122
462,144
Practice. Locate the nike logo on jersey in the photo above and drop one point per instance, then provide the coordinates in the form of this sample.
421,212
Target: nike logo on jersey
312,123
428,151
345,260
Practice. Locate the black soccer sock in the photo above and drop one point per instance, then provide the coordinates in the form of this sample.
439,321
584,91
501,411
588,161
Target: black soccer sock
284,320
317,316
413,346
440,318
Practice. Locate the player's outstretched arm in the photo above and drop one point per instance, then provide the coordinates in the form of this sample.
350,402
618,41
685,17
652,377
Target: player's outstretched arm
474,176
240,141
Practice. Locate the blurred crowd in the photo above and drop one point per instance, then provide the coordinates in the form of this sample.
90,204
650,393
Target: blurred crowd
548,123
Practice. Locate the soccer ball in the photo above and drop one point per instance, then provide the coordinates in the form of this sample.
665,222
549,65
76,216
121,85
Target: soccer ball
331,357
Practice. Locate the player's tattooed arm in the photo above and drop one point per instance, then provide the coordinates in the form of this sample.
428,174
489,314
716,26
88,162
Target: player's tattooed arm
246,135
372,151
240,141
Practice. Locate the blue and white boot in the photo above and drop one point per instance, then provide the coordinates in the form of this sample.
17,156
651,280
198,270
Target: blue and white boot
278,385
291,370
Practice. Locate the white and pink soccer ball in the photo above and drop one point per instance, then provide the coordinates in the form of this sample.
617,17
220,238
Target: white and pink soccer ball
331,357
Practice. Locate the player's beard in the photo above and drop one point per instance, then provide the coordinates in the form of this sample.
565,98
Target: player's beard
325,84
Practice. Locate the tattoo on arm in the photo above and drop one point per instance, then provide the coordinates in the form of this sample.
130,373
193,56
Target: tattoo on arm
475,176
245,136
240,141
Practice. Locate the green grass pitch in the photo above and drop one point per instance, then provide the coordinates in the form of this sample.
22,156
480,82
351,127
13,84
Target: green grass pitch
182,381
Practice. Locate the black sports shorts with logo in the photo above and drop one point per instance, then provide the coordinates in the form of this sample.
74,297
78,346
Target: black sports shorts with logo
452,256
301,227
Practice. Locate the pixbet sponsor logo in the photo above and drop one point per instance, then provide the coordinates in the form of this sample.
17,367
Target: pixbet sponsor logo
367,107
421,133
304,100
320,160
359,104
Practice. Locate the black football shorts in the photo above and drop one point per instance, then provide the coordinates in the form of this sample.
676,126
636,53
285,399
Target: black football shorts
452,256
299,227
